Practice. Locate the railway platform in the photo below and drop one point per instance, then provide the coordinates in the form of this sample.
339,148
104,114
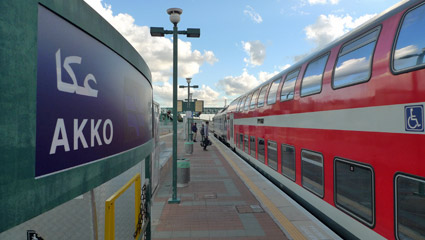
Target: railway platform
227,199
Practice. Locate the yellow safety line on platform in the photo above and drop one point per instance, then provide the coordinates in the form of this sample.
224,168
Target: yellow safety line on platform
290,228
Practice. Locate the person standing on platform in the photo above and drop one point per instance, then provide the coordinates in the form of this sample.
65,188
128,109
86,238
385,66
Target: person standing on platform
206,140
202,133
194,131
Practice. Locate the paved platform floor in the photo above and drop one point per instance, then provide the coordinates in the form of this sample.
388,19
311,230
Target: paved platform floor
221,203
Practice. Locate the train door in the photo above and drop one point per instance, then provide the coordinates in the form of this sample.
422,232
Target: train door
227,128
231,130
224,130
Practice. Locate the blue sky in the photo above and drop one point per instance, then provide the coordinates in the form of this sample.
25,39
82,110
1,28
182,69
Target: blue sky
242,43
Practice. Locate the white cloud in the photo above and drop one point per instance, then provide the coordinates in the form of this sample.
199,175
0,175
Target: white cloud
297,9
300,57
264,76
252,14
406,52
210,97
281,68
328,28
237,85
156,51
256,52
163,93
352,67
313,2
234,86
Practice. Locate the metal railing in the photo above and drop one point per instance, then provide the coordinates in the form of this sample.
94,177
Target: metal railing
141,203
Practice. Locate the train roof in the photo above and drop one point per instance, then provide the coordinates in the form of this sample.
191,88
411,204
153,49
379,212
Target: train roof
368,25
222,111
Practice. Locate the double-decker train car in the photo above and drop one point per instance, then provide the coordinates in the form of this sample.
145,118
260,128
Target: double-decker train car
219,125
342,131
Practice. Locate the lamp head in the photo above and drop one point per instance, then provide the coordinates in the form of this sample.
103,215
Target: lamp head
188,80
175,14
193,32
157,32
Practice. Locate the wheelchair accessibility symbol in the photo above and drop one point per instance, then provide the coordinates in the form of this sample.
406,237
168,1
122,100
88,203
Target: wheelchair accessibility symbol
414,118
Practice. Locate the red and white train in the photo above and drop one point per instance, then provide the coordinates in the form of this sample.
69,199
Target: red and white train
342,131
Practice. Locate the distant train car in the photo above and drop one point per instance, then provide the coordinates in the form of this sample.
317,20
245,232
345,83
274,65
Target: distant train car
219,125
342,131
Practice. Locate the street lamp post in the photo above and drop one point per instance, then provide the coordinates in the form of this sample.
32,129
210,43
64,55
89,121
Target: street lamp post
189,135
160,32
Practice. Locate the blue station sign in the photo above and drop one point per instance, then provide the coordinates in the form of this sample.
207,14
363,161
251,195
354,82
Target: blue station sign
91,102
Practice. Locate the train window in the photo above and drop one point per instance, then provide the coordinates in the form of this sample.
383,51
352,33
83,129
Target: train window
248,102
312,172
238,102
354,190
244,104
241,104
246,142
410,207
254,99
241,141
312,81
252,146
262,95
272,154
288,161
354,64
232,105
287,92
271,98
410,46
238,107
261,150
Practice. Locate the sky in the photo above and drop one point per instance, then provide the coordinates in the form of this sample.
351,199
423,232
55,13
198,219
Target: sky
242,43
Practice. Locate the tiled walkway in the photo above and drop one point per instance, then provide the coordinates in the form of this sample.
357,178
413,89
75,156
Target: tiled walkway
215,205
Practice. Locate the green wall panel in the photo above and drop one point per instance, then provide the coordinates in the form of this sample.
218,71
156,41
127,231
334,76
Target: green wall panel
23,197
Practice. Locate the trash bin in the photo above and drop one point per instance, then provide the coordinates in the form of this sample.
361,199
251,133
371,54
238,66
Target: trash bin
183,172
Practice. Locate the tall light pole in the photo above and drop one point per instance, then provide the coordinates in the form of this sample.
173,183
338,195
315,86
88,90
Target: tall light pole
160,32
189,138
